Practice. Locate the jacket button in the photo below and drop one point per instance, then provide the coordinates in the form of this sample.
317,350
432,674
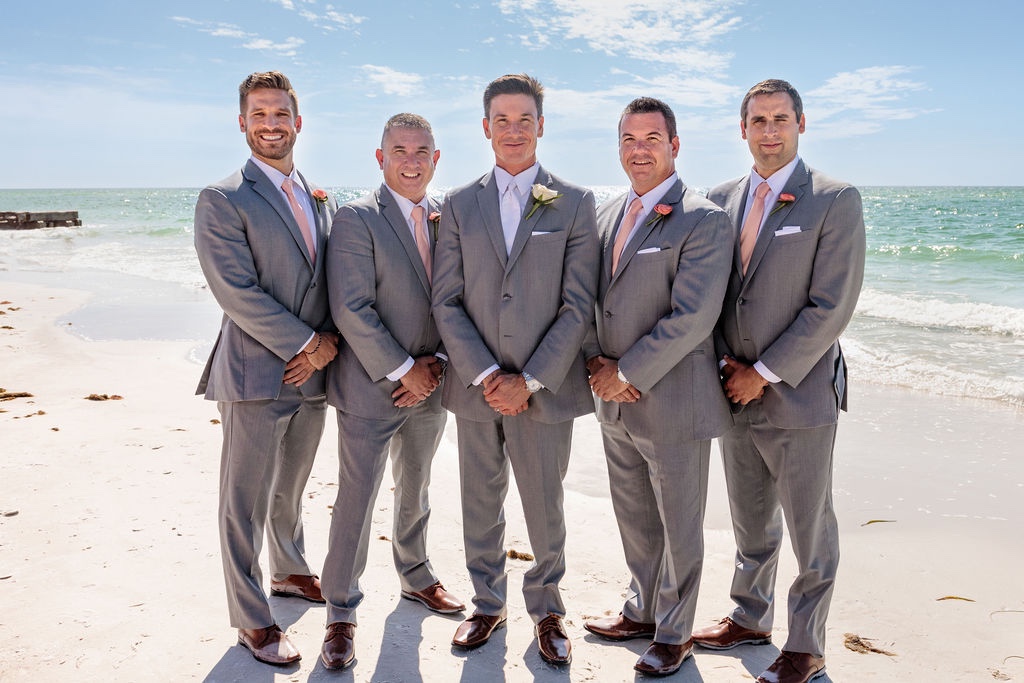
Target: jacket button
506,297
741,301
607,314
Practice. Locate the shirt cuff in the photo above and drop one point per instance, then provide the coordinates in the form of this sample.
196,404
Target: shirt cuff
766,373
303,347
482,375
399,372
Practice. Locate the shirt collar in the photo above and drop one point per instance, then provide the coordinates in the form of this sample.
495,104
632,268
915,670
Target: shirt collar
654,195
406,205
276,176
524,180
777,181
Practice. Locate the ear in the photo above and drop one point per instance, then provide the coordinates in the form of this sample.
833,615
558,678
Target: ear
803,123
487,128
437,155
380,158
540,127
675,147
743,130
298,124
241,123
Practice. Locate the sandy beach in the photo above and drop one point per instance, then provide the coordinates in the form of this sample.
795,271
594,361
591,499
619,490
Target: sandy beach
110,570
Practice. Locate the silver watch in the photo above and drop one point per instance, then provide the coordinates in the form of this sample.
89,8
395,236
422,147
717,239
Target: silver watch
533,384
622,378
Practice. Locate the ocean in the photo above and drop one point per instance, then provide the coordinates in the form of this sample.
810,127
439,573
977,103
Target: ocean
941,311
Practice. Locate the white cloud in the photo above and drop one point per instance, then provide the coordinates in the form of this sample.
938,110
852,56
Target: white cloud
860,102
676,33
252,41
392,82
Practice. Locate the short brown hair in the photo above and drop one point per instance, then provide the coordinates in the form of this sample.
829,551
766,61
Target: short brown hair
407,120
767,87
514,84
272,80
650,105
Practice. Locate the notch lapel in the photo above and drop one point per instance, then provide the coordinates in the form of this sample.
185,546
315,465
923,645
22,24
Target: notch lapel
490,213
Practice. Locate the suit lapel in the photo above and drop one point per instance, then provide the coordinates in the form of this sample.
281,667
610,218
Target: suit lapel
487,202
646,224
262,186
794,186
319,219
607,222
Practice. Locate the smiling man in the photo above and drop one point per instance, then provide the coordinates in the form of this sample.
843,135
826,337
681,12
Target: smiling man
260,237
796,276
514,284
652,362
384,382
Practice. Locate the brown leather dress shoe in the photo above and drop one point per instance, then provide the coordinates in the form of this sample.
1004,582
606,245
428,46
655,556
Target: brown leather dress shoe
619,628
476,630
436,599
339,649
298,586
727,634
663,659
269,645
793,667
552,642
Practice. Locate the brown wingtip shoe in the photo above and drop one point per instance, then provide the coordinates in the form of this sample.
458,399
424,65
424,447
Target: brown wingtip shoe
793,667
339,649
619,628
663,659
476,630
727,634
552,641
269,645
436,599
298,586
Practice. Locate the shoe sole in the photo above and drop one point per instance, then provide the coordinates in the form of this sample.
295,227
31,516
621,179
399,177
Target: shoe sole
423,602
461,646
286,594
750,641
619,639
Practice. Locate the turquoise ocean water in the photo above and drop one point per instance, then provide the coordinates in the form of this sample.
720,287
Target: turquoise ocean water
942,309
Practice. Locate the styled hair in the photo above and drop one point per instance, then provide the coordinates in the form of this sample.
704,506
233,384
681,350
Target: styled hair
407,120
272,80
768,87
514,84
650,105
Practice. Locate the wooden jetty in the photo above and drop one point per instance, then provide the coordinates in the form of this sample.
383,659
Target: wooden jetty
28,220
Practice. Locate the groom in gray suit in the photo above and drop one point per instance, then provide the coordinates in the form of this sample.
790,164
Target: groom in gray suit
514,284
384,382
260,236
651,357
796,276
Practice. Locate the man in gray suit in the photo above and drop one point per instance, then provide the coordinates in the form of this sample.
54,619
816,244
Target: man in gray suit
379,262
652,361
260,235
796,276
515,279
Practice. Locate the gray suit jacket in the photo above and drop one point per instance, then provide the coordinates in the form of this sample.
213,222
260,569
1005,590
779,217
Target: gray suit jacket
259,271
656,316
380,300
799,293
526,311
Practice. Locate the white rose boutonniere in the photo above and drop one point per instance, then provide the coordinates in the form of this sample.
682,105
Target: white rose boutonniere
542,196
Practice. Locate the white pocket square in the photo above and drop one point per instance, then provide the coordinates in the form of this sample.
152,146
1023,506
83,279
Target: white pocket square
541,232
649,250
787,230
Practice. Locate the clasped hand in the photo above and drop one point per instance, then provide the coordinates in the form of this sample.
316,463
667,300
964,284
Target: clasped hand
322,350
742,383
506,392
605,382
419,383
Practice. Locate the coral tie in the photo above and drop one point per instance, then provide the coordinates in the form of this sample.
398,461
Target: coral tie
422,239
751,226
300,217
625,227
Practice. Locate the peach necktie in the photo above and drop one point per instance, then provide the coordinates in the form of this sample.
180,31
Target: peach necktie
751,226
300,217
625,227
422,239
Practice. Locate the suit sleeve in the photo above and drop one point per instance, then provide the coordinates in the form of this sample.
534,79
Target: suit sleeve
222,245
352,283
698,291
563,341
836,280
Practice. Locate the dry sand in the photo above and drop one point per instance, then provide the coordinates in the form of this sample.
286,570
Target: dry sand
109,565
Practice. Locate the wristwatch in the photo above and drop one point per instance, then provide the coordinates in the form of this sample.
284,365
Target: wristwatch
533,384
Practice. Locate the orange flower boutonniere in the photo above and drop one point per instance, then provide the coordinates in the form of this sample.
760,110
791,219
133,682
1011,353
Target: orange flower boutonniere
784,199
660,211
320,195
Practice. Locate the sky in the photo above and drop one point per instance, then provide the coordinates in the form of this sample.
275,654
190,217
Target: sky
140,94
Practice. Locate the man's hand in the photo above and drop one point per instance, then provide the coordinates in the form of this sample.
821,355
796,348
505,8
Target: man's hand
506,392
322,349
743,383
419,383
604,381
